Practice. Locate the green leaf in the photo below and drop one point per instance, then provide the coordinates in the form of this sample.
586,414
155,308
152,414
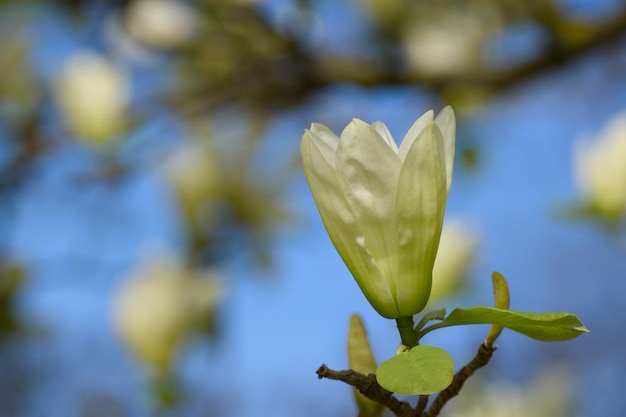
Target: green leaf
547,327
422,370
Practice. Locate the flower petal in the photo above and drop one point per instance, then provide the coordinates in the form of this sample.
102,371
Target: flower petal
341,225
384,133
446,122
322,179
420,206
414,132
368,172
326,141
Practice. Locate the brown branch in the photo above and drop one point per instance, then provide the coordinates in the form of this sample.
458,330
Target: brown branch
481,359
421,405
368,386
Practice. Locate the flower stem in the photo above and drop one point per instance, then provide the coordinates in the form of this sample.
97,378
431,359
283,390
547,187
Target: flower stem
407,332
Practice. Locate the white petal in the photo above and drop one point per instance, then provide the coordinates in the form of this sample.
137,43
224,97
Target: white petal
413,132
322,178
420,205
382,130
341,225
368,172
447,124
326,141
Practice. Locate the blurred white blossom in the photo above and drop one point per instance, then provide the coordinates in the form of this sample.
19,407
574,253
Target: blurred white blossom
456,250
193,174
547,395
446,45
161,23
600,167
93,96
161,304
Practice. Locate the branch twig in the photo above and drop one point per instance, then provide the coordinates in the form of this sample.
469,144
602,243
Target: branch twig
421,405
485,351
369,387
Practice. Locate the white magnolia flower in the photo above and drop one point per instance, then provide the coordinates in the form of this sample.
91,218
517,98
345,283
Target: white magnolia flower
93,96
160,305
383,205
600,167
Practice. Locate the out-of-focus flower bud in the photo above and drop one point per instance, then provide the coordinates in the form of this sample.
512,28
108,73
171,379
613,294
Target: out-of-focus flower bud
446,44
160,305
600,168
456,250
193,175
93,97
164,24
383,205
361,359
549,394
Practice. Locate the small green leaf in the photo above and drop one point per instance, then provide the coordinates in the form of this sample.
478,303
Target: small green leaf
422,370
547,327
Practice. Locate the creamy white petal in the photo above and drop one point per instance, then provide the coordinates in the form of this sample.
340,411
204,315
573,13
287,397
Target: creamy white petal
326,141
420,206
382,130
368,172
342,227
322,179
446,122
413,132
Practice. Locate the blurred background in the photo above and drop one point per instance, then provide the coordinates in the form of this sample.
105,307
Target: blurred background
160,253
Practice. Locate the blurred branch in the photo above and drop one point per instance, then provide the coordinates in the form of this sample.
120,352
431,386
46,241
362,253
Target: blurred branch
268,70
557,54
30,145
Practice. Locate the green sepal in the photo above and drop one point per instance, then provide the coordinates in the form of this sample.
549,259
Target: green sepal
439,314
422,370
361,359
501,299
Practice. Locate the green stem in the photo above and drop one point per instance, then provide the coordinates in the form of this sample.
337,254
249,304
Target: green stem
407,332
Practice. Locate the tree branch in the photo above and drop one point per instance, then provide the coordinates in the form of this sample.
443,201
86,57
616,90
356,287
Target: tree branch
557,54
421,405
481,359
369,387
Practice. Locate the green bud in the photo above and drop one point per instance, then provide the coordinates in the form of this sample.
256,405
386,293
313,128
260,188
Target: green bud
361,359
